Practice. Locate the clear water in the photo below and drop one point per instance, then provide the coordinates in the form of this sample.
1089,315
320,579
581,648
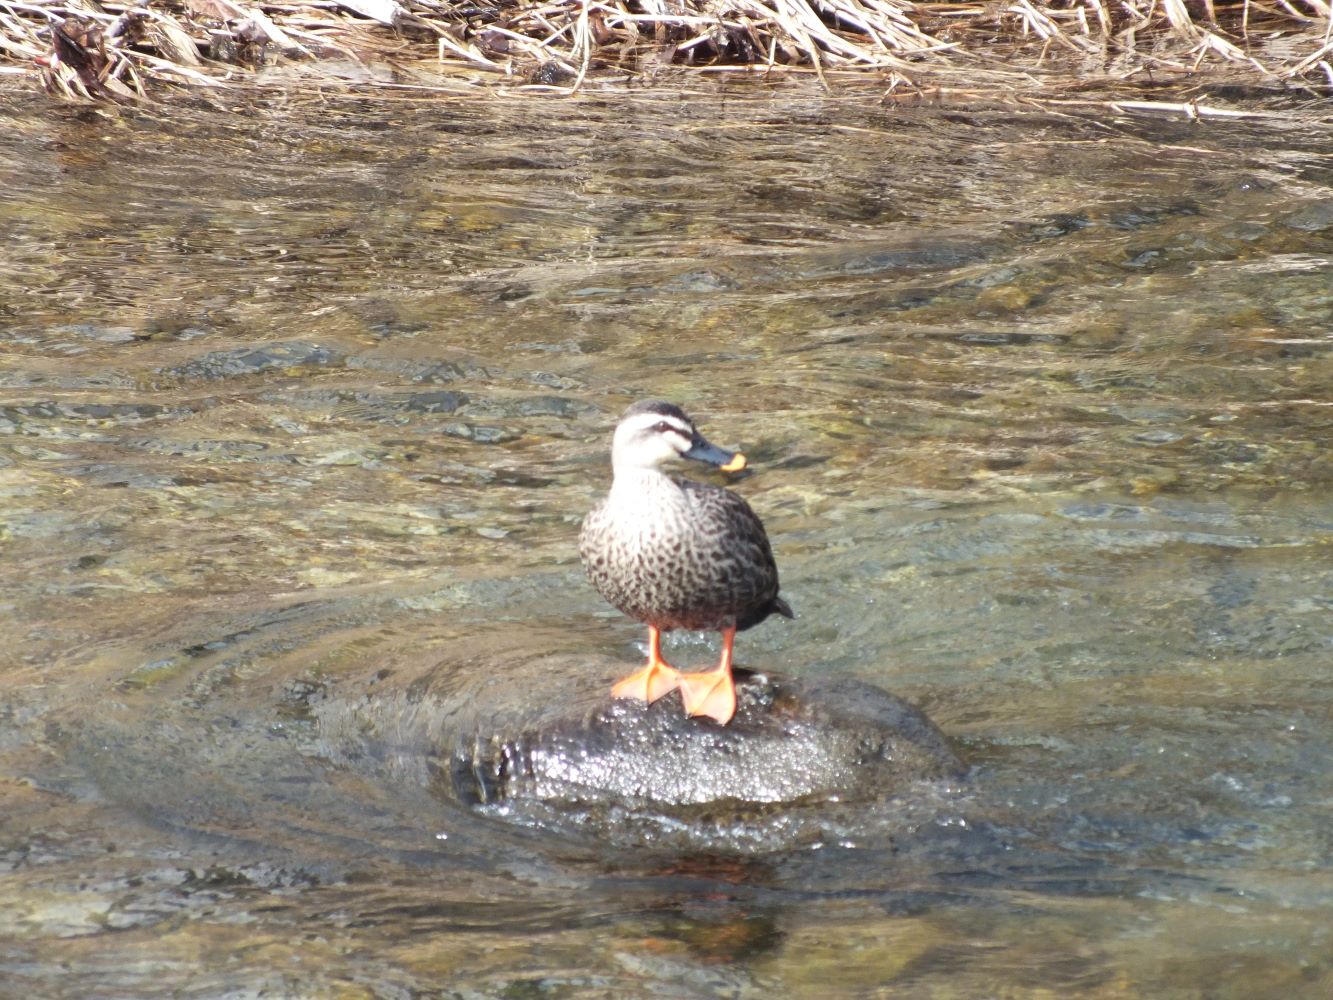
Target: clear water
300,406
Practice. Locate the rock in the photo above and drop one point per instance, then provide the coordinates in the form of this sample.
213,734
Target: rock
801,762
1312,217
240,361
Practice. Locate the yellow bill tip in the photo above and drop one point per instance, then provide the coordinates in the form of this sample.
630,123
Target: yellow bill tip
736,464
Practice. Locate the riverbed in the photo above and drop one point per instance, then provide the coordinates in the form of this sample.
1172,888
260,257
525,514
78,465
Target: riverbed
301,404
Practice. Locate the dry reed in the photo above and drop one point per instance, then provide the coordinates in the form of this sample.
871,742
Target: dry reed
105,49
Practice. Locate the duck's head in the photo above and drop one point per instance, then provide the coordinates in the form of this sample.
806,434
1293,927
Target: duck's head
652,432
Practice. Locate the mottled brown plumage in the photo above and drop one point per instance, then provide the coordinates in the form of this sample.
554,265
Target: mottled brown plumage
672,553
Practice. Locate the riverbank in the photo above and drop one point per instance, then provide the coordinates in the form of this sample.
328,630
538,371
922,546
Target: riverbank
1175,49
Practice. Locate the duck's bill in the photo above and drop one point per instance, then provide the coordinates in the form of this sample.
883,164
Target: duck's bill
727,461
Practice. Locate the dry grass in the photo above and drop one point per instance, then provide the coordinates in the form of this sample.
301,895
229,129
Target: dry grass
115,50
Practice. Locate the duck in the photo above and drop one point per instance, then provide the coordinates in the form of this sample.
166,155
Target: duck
677,554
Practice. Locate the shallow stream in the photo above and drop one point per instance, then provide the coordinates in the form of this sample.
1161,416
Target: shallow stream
301,405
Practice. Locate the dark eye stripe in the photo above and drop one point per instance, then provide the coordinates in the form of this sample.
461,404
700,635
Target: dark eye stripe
667,425
670,426
667,430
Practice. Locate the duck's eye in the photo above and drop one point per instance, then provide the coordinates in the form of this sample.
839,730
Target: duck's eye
662,427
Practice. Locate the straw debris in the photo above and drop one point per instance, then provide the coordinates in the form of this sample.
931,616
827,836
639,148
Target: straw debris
107,50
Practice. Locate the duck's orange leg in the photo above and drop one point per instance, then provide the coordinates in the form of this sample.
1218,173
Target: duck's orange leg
653,681
712,692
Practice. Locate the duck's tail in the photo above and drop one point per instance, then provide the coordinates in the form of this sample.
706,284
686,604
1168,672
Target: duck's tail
777,606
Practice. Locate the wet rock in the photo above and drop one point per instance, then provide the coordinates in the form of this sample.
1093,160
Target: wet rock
914,256
1134,217
124,476
440,372
384,319
702,281
480,434
1053,226
801,763
552,381
1146,259
1157,436
30,414
1312,217
101,334
549,406
252,360
532,406
440,401
369,406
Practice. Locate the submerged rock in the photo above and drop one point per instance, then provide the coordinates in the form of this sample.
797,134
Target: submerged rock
294,354
801,763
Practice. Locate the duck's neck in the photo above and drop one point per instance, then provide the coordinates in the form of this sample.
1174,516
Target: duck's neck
634,482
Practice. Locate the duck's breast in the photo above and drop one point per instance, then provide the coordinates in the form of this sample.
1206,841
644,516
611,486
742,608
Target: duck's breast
679,555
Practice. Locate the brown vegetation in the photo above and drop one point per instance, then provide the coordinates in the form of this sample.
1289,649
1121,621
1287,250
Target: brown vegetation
112,50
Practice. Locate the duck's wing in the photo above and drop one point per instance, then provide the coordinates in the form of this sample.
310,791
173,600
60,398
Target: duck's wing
736,534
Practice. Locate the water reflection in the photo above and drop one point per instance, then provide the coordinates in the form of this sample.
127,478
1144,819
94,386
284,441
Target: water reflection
300,414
